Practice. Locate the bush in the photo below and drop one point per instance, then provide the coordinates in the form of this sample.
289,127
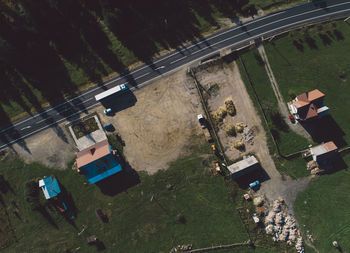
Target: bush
239,145
291,94
230,130
230,107
239,127
219,115
32,195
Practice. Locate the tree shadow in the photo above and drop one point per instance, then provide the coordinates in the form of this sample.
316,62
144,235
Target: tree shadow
338,35
119,182
280,54
298,45
5,186
325,129
311,42
278,121
259,59
325,39
67,198
42,210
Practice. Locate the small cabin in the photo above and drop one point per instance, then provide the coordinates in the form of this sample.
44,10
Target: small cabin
50,187
245,166
323,153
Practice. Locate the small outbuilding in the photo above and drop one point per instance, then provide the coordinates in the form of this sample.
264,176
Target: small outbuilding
324,152
247,165
50,187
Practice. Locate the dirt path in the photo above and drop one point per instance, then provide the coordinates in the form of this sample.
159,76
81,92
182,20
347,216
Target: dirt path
297,128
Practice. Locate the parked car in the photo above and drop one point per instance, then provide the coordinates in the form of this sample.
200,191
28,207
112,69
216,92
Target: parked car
109,127
202,121
254,184
291,118
108,111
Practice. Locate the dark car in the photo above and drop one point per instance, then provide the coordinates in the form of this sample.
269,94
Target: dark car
291,118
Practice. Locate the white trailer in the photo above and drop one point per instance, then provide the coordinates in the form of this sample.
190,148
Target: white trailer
109,92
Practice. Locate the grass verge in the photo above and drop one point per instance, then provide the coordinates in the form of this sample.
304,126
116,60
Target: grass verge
317,58
136,224
287,140
323,209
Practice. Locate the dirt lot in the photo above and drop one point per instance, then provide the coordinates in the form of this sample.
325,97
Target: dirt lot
160,124
223,82
52,147
155,129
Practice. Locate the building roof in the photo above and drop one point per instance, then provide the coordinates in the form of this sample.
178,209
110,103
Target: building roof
98,177
310,96
50,187
305,106
93,153
243,164
324,148
300,103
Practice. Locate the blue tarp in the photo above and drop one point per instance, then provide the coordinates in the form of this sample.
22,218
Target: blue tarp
105,174
50,187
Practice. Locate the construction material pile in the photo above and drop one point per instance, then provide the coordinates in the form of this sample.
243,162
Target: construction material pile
230,107
282,226
239,145
247,135
181,248
240,127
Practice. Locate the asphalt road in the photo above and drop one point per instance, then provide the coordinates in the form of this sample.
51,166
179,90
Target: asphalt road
232,38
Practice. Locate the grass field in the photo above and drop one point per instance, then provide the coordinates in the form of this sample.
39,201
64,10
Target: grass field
189,205
287,140
324,210
317,58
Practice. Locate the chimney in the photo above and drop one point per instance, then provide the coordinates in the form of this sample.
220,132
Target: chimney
92,151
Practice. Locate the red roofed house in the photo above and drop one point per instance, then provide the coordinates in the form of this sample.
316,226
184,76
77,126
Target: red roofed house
309,105
98,161
324,152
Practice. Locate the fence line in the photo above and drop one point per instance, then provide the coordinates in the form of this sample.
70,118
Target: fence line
219,247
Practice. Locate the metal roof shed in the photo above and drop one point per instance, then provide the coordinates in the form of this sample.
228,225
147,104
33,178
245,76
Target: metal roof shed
50,187
244,166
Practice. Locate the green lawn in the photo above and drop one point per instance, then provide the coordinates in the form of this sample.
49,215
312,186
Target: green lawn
287,140
189,205
324,210
135,223
317,58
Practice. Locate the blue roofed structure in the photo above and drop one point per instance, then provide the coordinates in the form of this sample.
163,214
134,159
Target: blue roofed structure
50,187
98,162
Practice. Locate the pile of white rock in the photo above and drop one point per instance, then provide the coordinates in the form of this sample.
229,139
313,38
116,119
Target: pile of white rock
282,226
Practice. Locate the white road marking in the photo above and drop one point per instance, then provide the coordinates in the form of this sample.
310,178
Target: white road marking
161,67
26,127
38,130
177,52
178,59
142,76
231,45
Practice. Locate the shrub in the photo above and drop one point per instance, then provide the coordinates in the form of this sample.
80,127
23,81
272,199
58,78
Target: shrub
239,145
230,107
239,127
32,195
230,130
219,115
